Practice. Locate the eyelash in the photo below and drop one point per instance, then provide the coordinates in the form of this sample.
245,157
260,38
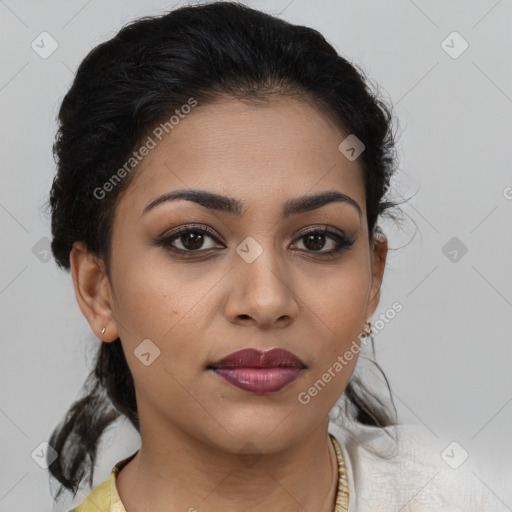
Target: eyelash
343,243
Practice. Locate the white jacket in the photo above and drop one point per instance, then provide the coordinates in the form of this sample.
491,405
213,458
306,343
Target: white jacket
414,475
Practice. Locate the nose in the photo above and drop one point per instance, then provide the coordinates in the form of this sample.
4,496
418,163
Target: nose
261,293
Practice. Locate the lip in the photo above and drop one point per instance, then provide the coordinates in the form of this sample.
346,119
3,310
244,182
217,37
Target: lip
259,372
252,358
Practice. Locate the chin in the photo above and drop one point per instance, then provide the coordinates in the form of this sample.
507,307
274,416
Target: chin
261,432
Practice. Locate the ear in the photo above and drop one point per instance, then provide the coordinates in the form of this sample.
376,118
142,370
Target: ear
379,251
92,291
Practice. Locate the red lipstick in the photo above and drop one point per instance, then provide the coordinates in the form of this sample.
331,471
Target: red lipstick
259,372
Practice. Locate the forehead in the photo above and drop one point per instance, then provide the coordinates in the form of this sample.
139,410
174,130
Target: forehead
282,148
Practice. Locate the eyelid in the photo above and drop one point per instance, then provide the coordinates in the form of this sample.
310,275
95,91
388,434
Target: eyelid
323,228
168,233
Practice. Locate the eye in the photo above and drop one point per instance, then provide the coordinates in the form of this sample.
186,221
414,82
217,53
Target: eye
316,239
188,239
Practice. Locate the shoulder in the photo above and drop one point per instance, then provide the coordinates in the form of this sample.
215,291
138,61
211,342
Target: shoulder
404,468
99,499
104,497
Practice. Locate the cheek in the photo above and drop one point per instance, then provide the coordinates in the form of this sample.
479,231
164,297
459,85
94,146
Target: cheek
338,313
340,306
171,308
154,298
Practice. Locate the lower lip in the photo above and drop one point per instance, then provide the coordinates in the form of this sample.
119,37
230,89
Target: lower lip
259,380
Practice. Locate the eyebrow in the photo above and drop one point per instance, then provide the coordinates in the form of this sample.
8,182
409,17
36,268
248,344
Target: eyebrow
233,206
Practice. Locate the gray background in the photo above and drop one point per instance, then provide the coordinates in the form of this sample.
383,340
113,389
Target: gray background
447,354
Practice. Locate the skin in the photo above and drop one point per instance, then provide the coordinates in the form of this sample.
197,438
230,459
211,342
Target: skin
194,424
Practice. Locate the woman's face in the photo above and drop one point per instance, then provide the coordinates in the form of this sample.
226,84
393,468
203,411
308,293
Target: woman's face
254,280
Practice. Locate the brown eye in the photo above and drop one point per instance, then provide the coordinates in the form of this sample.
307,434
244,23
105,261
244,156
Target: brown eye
189,239
316,240
192,240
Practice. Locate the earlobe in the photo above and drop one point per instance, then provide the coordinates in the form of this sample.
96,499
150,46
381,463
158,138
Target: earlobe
92,291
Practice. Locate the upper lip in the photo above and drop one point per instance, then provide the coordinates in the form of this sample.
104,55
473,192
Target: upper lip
252,358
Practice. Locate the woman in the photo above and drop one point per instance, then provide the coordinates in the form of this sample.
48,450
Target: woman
221,174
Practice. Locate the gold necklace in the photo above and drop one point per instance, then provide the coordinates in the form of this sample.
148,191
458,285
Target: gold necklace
342,493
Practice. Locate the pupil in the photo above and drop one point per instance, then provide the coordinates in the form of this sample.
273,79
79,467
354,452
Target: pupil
317,241
194,238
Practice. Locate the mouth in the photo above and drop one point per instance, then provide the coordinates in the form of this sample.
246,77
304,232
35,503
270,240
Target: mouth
259,372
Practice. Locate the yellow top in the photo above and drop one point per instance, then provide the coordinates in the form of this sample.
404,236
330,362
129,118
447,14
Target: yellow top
105,497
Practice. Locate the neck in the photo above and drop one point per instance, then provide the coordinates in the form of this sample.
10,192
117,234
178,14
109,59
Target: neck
187,474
